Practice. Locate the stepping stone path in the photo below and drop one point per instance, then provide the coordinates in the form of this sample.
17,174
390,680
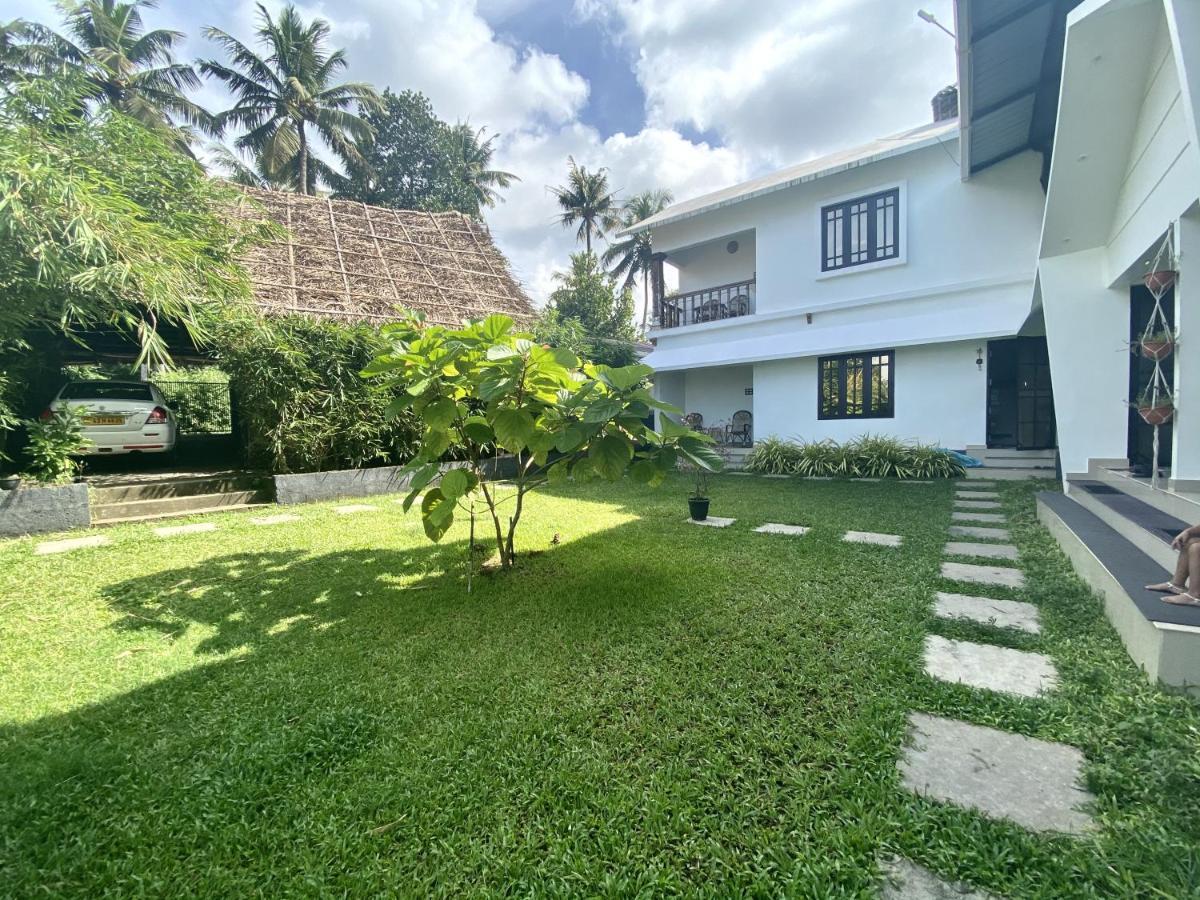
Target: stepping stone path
45,548
905,880
1004,776
959,516
989,667
777,528
870,537
973,484
712,522
175,530
777,476
354,508
975,531
992,551
977,504
986,611
998,575
961,494
276,520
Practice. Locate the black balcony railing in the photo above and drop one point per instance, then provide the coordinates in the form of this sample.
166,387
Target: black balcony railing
726,301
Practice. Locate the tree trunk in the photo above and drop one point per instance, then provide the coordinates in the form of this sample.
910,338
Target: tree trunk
646,300
303,157
587,237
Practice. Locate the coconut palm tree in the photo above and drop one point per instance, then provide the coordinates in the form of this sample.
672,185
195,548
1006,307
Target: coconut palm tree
476,155
119,63
226,163
280,97
587,200
632,257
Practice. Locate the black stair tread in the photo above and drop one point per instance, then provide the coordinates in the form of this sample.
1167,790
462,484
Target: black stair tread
1132,568
1160,524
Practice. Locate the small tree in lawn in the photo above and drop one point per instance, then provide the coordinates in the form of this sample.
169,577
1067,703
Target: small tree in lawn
485,386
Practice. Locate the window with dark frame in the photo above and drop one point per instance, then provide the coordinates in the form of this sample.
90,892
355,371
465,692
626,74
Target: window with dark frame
860,231
856,385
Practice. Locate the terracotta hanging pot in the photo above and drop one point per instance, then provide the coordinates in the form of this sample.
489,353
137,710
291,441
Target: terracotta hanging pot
1158,348
1157,415
1158,283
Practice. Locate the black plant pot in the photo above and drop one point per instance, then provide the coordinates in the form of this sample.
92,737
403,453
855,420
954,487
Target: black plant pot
10,482
698,506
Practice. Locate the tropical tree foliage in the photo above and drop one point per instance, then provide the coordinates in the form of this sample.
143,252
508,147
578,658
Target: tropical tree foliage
474,153
289,97
589,314
485,386
633,257
107,49
103,223
586,203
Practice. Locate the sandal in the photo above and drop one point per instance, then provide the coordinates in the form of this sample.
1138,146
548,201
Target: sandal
1181,600
1167,587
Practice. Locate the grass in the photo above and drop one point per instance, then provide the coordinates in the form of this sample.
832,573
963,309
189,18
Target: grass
645,708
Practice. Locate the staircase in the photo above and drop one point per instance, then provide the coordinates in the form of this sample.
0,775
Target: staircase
735,457
138,498
1117,532
1009,465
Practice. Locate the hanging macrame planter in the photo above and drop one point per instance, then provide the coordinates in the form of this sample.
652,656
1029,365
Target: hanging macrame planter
1157,346
1158,411
1156,405
1158,283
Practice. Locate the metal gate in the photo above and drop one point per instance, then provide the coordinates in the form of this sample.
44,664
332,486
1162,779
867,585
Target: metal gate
200,407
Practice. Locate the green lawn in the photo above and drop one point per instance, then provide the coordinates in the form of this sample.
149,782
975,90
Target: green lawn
647,707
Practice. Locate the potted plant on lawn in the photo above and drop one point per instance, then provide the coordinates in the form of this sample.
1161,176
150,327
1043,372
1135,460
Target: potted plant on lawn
1155,407
698,498
10,482
1157,346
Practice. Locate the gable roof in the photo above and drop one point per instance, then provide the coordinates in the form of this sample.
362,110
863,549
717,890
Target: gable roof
821,167
357,263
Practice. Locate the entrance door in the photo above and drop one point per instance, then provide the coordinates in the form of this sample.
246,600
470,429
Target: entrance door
1020,411
1141,435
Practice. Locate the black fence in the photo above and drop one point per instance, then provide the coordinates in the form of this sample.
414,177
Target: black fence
200,407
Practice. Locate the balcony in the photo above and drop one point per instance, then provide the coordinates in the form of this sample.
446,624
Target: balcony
726,301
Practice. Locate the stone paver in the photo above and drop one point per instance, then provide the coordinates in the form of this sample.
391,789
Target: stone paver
1000,575
991,551
353,508
866,479
991,668
778,528
962,494
905,880
977,504
871,537
777,476
713,522
68,544
194,528
974,531
738,472
958,516
986,611
275,520
972,483
1004,776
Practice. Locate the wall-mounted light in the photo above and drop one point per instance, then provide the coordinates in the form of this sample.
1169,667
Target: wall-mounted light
979,358
808,318
732,247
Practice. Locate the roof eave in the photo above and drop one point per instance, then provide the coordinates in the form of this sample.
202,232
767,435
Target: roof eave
962,31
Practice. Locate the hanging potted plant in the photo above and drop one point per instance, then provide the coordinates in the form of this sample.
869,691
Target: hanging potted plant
1155,408
1160,281
10,482
1157,346
698,498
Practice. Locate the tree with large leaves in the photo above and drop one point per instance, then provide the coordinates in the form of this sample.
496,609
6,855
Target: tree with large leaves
475,153
486,385
107,48
633,257
585,201
288,98
589,314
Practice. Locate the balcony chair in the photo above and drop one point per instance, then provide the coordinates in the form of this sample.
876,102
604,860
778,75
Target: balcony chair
694,421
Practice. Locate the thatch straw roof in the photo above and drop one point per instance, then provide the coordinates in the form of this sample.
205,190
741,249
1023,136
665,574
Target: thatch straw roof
349,261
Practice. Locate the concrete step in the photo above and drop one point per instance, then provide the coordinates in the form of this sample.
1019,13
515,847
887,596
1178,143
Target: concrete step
1147,528
160,507
109,491
1180,504
1163,639
192,512
997,473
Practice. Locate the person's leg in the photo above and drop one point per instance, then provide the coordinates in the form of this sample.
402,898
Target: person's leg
1183,565
1190,553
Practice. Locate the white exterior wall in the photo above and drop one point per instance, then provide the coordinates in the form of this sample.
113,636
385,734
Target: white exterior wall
1185,448
711,264
718,393
940,398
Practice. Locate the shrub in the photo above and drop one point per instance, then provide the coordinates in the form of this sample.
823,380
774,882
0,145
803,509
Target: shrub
51,442
302,404
199,398
868,456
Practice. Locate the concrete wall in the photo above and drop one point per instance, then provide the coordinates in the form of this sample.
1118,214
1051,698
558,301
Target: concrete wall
711,264
34,510
940,398
309,487
718,393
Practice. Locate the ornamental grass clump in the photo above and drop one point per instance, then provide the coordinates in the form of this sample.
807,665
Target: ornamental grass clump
868,456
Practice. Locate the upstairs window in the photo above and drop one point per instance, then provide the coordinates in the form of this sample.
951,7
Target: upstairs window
856,385
859,231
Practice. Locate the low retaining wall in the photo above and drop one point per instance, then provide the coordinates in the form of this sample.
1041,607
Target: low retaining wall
309,487
33,510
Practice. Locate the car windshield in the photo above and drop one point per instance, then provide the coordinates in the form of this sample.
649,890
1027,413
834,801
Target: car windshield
106,390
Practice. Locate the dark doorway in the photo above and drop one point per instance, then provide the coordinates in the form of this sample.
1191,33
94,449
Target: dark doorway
1020,413
1141,435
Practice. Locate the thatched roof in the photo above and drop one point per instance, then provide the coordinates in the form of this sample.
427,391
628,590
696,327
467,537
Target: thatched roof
349,261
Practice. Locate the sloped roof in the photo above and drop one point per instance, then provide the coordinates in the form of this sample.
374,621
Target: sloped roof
353,262
841,161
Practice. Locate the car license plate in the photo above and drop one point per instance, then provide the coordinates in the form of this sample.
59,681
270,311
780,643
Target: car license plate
103,420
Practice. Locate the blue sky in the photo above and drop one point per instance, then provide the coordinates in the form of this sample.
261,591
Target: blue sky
687,95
